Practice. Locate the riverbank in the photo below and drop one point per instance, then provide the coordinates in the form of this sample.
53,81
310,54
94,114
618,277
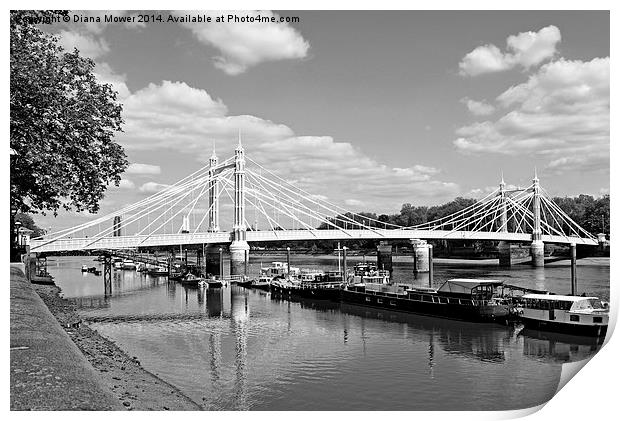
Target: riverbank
47,370
132,385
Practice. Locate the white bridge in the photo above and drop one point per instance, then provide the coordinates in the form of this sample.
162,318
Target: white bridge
188,213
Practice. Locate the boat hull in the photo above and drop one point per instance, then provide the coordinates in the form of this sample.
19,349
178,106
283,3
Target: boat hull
571,329
468,312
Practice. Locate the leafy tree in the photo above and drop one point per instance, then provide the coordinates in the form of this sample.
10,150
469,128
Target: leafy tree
62,123
27,222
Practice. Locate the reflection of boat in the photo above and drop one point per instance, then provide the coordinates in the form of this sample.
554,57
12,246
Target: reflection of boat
465,299
559,347
565,313
484,342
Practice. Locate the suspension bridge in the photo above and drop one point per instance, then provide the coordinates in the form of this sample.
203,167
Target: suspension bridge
266,207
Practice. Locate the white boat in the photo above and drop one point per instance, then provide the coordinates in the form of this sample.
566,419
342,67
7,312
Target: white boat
565,313
129,264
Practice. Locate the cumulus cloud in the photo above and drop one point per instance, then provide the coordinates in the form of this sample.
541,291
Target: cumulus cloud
525,50
175,116
561,112
152,187
243,45
87,45
478,108
126,184
143,169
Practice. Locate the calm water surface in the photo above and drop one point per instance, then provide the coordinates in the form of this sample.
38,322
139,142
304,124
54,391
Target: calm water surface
234,349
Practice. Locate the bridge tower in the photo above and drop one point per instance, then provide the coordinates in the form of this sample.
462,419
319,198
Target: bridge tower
239,248
537,249
211,252
503,247
214,206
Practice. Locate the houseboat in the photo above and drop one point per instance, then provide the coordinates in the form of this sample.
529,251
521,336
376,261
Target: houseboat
565,314
463,299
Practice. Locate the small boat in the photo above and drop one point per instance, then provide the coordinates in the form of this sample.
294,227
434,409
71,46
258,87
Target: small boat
176,276
84,268
214,283
246,282
565,314
191,279
262,282
128,264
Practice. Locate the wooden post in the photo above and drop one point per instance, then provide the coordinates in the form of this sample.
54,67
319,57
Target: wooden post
430,265
344,263
247,258
573,269
107,275
288,261
221,262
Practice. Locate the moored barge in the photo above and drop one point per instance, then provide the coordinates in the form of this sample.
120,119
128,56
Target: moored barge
463,299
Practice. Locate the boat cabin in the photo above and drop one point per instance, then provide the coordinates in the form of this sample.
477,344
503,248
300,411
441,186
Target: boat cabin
477,289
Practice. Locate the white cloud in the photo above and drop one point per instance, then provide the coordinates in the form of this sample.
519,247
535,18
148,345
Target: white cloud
105,74
87,45
478,108
142,169
243,45
126,184
178,117
526,50
561,112
152,187
353,202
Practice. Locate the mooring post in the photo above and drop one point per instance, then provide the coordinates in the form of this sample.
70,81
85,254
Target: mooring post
573,269
288,261
221,262
107,275
247,260
430,265
344,263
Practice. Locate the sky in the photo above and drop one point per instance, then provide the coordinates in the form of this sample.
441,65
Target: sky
369,109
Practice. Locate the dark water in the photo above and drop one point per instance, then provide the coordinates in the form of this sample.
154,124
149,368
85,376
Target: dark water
240,349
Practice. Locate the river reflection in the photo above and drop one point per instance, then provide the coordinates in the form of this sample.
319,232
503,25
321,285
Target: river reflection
235,349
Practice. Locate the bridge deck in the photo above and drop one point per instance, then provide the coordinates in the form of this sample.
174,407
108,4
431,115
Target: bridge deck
161,240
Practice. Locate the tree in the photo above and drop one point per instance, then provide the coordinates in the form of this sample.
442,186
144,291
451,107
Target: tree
27,222
62,126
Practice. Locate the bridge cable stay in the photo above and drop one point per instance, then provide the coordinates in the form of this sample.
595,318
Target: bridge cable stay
152,200
319,201
296,202
307,211
325,218
157,204
164,192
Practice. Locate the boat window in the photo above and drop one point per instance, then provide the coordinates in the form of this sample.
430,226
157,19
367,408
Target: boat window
415,297
596,319
379,301
367,299
574,318
427,298
392,302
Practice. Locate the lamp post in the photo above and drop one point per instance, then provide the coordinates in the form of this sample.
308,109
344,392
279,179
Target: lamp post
12,235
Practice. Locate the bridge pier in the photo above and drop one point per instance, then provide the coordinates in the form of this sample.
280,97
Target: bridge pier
239,255
384,256
212,259
537,250
421,255
504,253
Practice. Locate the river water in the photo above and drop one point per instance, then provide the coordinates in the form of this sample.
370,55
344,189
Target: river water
239,349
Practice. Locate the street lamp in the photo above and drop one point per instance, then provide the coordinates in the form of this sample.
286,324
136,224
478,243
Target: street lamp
12,235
